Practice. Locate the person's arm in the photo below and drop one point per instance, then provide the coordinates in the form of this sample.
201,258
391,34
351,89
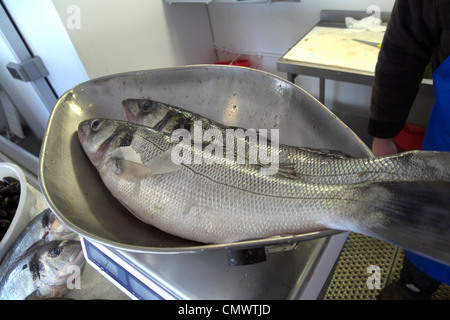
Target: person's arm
411,35
383,147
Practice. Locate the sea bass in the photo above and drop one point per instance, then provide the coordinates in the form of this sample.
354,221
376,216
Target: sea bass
225,202
305,164
44,269
45,226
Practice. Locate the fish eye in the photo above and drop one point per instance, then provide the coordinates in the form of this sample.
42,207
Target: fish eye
146,106
55,252
95,124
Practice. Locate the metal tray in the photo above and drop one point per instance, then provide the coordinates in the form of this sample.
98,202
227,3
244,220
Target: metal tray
231,95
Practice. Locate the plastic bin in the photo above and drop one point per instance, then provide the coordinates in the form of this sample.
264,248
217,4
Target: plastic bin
240,63
410,138
26,202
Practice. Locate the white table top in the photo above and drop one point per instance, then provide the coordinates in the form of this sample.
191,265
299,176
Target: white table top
330,46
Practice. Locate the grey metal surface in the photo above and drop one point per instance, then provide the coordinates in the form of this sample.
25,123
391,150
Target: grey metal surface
231,95
208,275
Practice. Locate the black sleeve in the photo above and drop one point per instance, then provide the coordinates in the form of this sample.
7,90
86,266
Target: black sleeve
411,35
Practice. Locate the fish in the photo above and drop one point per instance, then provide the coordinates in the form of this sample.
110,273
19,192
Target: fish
44,226
226,202
44,269
164,117
309,165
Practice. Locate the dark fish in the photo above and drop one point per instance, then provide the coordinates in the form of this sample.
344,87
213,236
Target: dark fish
45,268
45,226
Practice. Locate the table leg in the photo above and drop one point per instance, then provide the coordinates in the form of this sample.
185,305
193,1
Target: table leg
291,77
322,90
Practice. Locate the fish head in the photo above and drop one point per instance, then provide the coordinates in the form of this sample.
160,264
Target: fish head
53,227
99,137
157,115
54,264
59,231
144,111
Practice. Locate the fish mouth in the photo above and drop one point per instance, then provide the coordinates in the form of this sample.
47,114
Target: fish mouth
83,129
76,259
127,111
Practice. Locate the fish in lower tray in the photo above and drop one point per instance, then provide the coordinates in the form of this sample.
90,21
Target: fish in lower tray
44,270
43,227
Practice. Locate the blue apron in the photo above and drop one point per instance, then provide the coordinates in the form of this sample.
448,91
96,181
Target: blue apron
437,138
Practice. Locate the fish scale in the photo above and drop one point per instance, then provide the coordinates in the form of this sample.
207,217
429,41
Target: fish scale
228,202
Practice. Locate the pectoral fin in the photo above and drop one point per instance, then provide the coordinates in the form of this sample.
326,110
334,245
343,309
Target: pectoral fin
130,163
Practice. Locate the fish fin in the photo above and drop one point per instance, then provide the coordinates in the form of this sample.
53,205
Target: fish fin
130,170
158,165
33,295
288,170
132,164
416,217
127,153
162,163
334,154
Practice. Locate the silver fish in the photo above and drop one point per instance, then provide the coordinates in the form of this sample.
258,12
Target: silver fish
164,117
305,164
45,269
225,202
45,226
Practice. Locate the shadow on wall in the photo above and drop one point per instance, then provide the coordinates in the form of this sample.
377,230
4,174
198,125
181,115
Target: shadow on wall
192,43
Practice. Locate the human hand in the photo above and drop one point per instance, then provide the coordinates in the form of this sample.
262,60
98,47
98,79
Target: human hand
383,147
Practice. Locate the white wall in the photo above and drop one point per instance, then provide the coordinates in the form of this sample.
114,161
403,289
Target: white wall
23,95
112,36
116,36
275,28
272,29
46,37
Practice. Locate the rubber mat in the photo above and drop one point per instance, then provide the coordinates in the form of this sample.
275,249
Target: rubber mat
366,265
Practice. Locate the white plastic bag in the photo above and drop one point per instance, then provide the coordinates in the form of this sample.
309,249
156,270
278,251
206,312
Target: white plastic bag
371,23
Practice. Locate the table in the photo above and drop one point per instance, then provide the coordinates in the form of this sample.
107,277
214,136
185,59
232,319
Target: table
328,51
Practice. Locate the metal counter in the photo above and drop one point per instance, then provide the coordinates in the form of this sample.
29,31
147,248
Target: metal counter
297,271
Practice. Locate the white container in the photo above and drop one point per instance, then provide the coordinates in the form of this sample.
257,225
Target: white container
26,202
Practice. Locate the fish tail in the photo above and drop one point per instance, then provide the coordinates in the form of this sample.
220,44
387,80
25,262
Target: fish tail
412,215
434,164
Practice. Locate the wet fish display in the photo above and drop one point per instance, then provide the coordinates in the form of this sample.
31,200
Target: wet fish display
46,227
9,201
44,269
304,164
221,201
